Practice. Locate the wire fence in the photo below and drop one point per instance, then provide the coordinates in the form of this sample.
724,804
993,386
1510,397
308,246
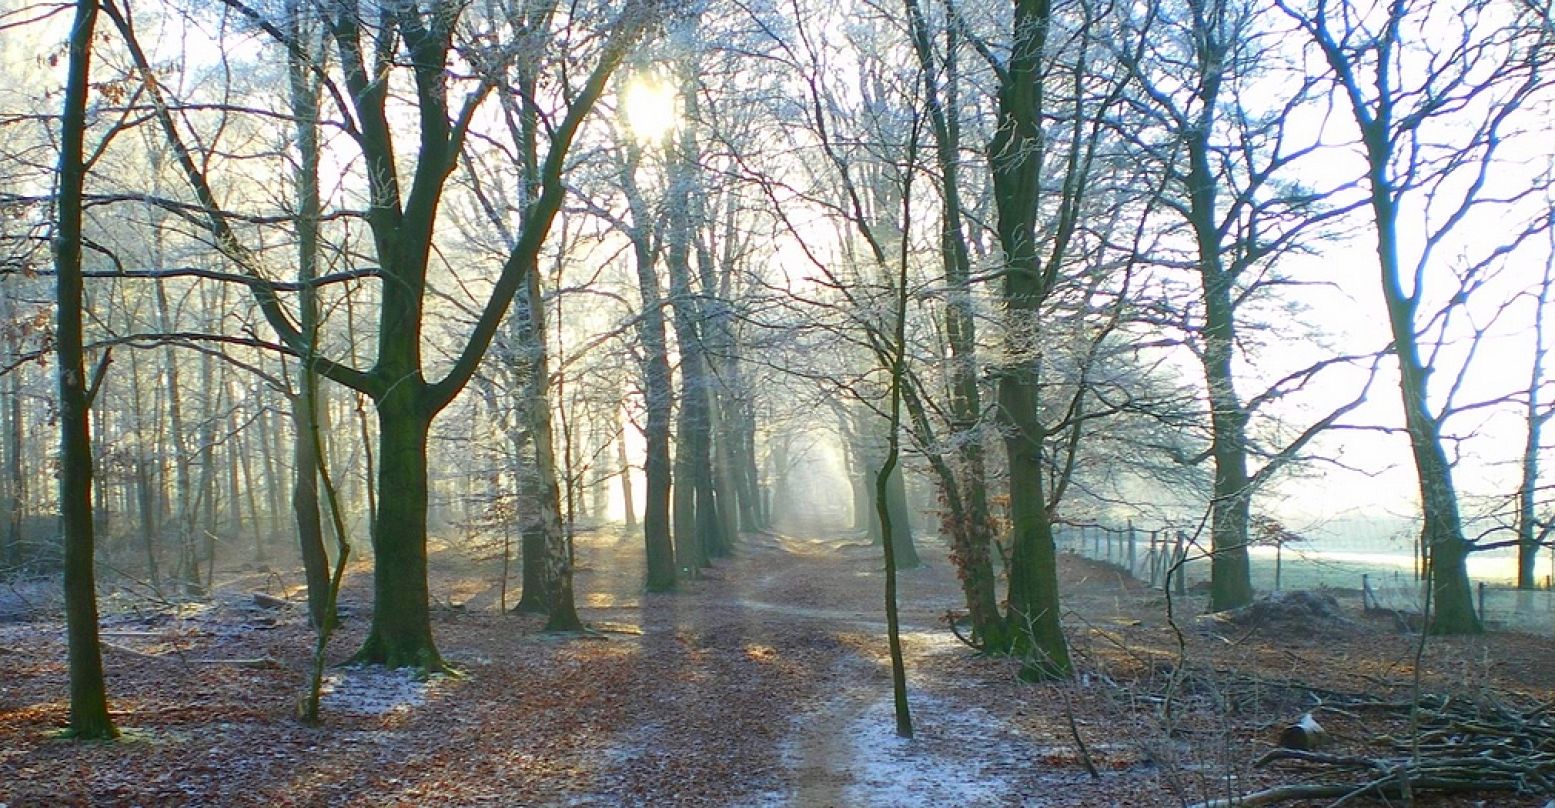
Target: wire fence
1372,577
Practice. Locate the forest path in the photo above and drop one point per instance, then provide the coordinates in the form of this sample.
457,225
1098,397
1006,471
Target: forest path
763,683
808,612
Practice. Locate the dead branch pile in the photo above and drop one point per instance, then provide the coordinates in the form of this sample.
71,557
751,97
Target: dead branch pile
1459,745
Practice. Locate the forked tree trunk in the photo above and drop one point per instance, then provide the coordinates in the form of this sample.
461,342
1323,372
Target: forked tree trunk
658,392
1230,573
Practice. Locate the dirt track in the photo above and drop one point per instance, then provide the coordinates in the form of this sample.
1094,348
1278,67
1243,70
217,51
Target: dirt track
763,684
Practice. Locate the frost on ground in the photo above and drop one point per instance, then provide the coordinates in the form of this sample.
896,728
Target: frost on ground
954,758
32,598
377,692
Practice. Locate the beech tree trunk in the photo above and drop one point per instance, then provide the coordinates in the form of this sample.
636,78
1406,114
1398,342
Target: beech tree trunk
1016,155
304,99
88,691
970,524
401,631
628,503
561,610
15,486
658,392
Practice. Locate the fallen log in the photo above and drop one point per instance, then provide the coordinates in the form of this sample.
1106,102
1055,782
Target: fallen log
271,601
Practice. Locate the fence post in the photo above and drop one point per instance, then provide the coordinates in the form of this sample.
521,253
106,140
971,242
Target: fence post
1178,560
1133,541
1159,574
1481,602
1365,591
1150,559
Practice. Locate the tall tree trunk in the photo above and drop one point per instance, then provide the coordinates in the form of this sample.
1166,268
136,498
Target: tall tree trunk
204,515
401,631
272,515
600,444
1535,416
1442,529
187,570
627,503
305,504
749,470
728,488
304,99
562,614
88,691
1016,155
147,476
15,472
697,537
972,533
659,395
1230,573
535,518
243,456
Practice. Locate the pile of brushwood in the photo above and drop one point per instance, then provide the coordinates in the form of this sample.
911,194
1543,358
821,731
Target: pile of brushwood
1455,745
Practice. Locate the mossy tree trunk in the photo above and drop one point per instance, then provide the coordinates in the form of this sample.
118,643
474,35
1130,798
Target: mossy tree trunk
401,631
1016,156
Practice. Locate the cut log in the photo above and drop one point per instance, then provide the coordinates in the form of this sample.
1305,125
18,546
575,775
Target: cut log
1305,734
271,601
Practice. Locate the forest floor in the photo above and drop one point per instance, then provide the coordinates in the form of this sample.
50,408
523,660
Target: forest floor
765,683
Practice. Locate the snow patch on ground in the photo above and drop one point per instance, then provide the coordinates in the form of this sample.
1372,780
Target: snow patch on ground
894,771
29,599
373,691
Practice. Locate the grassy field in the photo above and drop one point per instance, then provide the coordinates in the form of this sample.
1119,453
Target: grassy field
1390,570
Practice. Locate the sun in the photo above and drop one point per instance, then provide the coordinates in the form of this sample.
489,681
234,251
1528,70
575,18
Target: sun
651,107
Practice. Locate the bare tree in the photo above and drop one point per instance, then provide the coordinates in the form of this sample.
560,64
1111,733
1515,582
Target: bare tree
370,43
1228,166
88,693
1434,124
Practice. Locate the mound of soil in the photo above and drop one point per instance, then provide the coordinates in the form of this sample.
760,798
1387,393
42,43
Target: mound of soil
1296,611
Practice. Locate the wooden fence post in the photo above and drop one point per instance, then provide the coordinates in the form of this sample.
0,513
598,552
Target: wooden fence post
1133,542
1178,560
